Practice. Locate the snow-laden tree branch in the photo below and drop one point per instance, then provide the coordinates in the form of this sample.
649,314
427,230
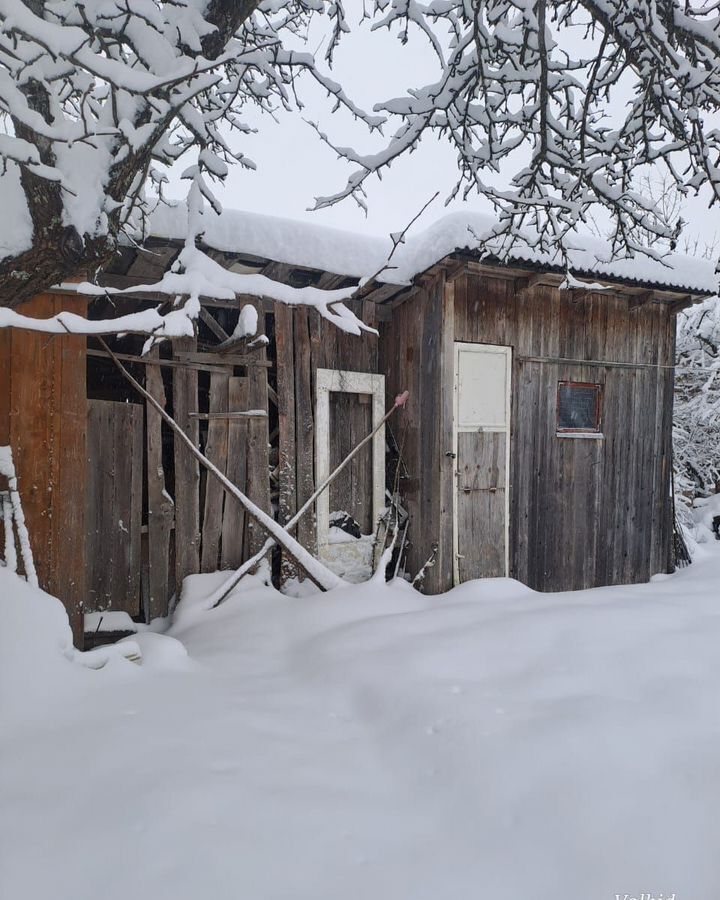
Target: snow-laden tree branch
554,108
97,97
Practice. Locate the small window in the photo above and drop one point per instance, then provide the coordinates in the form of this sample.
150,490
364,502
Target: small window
578,408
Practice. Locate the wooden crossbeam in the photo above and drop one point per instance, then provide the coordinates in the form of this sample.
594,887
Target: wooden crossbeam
635,301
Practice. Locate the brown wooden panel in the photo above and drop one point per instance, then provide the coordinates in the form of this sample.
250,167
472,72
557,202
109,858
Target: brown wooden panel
304,427
113,519
160,507
481,504
187,472
412,359
46,406
68,519
5,371
287,494
582,511
233,524
216,450
258,461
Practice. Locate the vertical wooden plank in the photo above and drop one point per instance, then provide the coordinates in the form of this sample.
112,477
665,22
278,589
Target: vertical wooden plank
45,426
216,451
258,449
287,495
113,519
134,523
5,386
233,524
304,428
160,505
481,505
69,501
445,462
187,472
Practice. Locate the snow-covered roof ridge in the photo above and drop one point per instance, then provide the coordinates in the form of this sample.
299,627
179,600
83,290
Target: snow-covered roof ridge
360,255
282,240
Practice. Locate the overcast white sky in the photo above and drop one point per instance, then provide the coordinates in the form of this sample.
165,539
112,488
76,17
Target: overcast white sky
294,165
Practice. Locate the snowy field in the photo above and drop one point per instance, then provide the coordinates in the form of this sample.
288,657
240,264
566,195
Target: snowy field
370,744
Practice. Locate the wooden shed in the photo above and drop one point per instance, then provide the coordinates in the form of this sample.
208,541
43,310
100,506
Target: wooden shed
536,442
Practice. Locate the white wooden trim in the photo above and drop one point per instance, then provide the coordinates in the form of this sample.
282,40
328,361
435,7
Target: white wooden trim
327,380
461,346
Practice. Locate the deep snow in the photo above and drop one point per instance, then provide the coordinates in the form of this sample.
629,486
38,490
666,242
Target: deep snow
370,743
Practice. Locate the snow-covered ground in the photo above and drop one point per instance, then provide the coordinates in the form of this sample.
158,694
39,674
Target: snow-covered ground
370,744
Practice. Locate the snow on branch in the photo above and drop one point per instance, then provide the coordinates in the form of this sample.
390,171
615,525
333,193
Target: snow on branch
98,98
533,96
553,110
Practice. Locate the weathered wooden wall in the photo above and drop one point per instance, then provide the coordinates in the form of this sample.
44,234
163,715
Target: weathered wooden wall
42,417
113,508
583,512
305,343
416,355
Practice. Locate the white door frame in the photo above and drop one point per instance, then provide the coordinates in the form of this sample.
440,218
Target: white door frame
327,381
461,346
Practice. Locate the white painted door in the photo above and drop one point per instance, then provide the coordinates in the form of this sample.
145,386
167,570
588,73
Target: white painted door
482,457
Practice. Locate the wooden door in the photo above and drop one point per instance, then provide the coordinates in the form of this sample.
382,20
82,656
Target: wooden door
113,512
482,455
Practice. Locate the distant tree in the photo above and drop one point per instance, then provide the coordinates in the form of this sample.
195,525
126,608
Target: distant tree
696,421
553,108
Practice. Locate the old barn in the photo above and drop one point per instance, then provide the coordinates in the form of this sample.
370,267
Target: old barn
536,442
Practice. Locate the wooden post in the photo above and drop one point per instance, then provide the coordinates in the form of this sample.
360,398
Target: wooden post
287,499
160,507
216,450
304,427
258,473
187,472
233,524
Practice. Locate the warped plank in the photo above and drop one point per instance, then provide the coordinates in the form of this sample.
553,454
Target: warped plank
161,510
216,450
187,473
233,524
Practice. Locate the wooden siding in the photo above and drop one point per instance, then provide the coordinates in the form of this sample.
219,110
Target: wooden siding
417,356
308,342
42,416
113,510
584,511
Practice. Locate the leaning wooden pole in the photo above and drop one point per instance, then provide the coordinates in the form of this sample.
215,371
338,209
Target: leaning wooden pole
319,573
216,598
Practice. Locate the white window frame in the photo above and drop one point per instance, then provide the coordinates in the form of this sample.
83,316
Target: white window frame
334,380
464,347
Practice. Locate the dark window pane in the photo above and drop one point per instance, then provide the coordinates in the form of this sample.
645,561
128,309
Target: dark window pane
578,407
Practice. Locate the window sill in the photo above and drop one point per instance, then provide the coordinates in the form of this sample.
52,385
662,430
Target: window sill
591,435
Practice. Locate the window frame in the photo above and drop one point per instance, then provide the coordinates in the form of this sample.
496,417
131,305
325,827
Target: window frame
595,432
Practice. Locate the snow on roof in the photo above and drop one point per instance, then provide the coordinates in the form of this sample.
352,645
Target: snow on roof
357,255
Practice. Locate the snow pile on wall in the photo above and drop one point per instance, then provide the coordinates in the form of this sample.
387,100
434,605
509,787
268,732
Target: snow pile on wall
361,255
